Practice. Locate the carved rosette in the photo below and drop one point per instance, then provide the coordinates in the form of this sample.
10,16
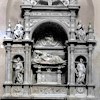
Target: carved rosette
17,91
81,90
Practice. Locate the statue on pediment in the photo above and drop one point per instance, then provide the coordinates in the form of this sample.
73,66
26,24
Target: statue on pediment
18,31
80,34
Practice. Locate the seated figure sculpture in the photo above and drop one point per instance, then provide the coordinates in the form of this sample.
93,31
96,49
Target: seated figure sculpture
81,34
18,31
46,58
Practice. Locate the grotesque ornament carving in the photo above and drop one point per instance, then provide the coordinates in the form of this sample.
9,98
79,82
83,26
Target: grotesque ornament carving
80,34
18,70
18,31
46,58
80,72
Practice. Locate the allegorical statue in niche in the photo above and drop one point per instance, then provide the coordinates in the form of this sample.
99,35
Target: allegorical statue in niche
46,58
48,41
19,70
80,72
18,31
81,34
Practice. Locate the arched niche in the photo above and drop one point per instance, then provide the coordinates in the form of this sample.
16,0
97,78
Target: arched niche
81,56
80,70
50,32
16,56
18,69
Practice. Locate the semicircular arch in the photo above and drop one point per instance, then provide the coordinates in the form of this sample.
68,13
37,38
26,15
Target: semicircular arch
62,25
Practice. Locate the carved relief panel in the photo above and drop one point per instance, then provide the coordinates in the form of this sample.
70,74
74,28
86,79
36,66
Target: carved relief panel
17,91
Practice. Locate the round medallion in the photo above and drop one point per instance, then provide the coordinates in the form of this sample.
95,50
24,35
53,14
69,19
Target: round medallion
80,90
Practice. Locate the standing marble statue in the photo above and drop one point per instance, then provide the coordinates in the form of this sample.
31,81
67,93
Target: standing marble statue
80,72
81,34
18,31
19,70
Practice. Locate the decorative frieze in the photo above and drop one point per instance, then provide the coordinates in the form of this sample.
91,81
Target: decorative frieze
48,90
52,14
18,50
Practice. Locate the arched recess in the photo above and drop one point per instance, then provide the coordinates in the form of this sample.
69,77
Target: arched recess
81,69
81,56
17,55
49,40
18,69
46,28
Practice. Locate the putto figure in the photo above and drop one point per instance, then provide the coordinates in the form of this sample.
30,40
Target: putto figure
18,31
19,70
80,72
